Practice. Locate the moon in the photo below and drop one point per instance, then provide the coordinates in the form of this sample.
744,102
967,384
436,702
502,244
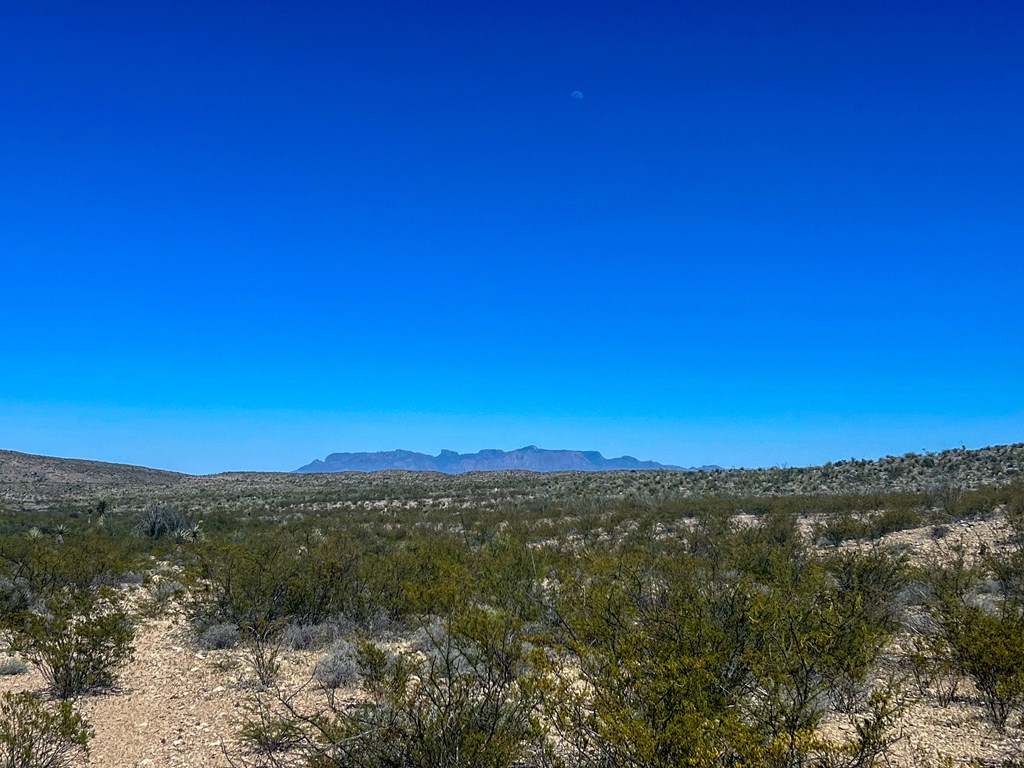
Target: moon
577,95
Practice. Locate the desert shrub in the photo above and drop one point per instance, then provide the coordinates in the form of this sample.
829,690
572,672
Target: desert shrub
261,641
1014,506
34,735
658,649
428,575
934,669
1008,569
732,653
948,495
841,528
165,590
77,642
302,637
270,579
505,575
866,590
38,568
158,520
339,667
12,667
432,714
984,633
874,732
219,637
15,597
872,585
267,738
896,518
816,635
990,649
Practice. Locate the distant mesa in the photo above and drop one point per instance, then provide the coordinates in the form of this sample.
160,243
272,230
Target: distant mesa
530,458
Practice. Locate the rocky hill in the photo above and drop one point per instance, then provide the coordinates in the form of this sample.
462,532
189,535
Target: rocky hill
28,468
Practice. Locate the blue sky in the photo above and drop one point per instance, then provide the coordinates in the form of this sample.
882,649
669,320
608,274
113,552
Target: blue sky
248,235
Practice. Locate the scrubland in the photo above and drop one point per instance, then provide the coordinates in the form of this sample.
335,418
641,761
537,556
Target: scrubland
843,616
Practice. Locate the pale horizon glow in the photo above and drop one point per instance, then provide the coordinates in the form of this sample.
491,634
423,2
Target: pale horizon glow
198,443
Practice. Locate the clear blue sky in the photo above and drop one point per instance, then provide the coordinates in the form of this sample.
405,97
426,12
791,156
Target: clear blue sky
246,234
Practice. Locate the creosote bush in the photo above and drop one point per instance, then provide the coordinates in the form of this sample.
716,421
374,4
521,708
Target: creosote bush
979,629
78,641
37,735
472,702
991,650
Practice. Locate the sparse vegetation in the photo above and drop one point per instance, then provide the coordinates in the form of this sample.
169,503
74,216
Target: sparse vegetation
620,619
36,735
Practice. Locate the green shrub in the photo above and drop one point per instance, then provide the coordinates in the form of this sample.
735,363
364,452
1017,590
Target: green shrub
896,518
78,642
934,668
841,528
270,578
38,568
731,655
33,735
991,649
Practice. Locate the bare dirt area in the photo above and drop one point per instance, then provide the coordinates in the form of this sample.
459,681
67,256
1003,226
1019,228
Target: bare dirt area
176,705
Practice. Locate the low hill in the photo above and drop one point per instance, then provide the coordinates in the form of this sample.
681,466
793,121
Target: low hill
28,468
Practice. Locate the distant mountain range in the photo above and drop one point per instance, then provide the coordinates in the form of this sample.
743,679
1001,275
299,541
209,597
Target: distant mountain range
529,458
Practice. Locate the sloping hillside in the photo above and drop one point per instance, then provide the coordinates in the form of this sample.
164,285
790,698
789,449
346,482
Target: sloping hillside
28,468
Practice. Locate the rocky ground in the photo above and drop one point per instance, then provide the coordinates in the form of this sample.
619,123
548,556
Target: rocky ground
177,705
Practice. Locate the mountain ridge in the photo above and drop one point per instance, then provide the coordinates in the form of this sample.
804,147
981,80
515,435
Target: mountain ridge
529,458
